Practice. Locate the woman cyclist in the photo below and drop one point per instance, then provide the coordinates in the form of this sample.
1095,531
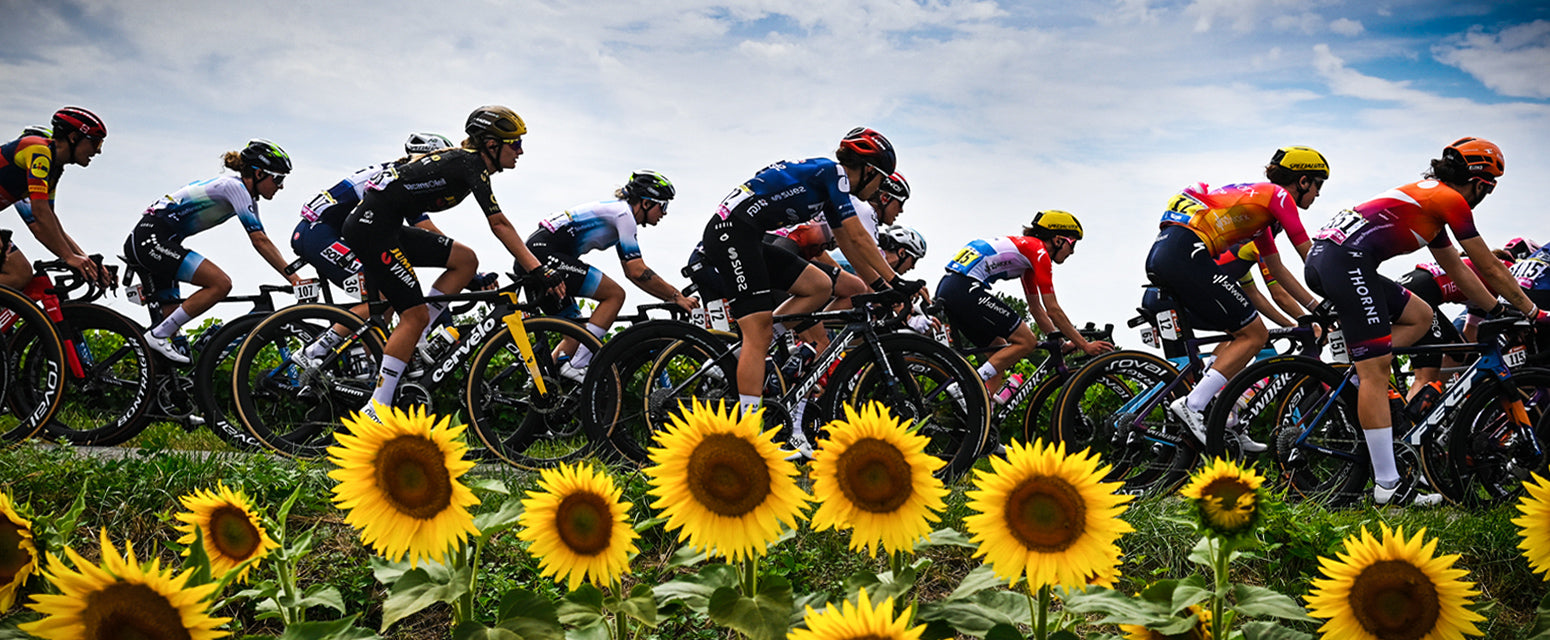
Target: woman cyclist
1375,313
30,169
561,240
256,172
1200,223
780,195
391,250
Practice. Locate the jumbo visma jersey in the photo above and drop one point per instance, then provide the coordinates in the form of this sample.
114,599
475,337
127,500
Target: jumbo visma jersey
202,205
788,193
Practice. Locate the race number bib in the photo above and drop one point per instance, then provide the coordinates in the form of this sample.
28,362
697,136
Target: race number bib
1168,324
1344,225
731,202
355,286
1182,208
307,291
1337,348
1515,357
313,210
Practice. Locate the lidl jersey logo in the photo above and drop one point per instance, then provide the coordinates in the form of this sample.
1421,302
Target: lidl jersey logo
40,167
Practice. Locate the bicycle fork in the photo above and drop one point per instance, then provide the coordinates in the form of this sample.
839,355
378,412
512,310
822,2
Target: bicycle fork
513,322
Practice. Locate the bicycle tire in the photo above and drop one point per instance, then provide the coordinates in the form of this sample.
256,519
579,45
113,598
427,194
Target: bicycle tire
1486,461
1273,399
1150,463
670,385
34,366
526,429
110,403
957,431
1039,411
288,409
214,364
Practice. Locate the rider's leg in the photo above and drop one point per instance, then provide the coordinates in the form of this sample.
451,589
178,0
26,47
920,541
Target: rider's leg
214,285
809,293
16,272
1018,346
1230,359
610,300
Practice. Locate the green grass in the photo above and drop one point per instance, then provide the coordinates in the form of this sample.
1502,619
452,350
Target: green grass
133,496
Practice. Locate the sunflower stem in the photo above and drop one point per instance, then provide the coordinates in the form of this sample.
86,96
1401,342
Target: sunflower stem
751,576
621,628
1041,627
464,611
285,574
1223,552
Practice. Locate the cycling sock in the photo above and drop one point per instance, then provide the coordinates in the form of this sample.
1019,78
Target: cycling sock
987,371
749,404
169,325
1201,395
324,344
583,355
387,380
1380,447
435,309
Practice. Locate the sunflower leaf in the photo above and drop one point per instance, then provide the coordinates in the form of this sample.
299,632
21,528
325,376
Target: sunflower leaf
583,606
981,578
641,605
491,485
198,560
597,631
1003,631
977,614
1272,631
1190,591
1119,608
1541,628
322,595
687,556
341,629
491,524
947,537
285,512
419,588
474,630
694,590
1259,602
529,616
762,617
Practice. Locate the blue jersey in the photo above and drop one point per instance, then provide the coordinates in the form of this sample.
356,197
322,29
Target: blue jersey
593,226
788,193
1533,272
203,205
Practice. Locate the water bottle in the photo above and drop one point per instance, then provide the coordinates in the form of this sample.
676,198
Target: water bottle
441,339
800,358
1009,389
1424,400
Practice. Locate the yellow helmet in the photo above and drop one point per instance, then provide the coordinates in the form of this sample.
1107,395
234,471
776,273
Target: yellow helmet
1303,160
495,122
1054,222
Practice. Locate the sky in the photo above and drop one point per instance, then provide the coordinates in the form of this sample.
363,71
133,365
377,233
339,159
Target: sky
997,109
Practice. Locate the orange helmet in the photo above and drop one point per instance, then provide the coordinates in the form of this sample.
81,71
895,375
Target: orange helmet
1482,157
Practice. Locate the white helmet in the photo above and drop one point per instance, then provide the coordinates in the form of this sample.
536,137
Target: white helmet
893,236
419,143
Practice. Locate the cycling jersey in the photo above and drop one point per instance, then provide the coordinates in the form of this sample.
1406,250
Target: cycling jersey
1004,258
27,173
332,205
788,193
593,226
1448,290
317,237
1226,216
815,236
1533,272
1239,262
1402,220
203,205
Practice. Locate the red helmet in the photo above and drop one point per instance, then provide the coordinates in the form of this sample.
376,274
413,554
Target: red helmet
77,119
867,147
1483,158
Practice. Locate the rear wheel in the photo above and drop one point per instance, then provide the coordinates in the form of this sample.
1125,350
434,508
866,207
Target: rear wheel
1108,406
521,426
216,362
109,401
1488,455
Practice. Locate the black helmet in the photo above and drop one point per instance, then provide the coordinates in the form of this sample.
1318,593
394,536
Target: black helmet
495,122
865,146
649,184
895,187
79,120
267,156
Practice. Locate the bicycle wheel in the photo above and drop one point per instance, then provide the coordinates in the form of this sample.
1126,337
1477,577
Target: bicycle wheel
1108,406
1038,414
915,382
109,401
293,408
1487,456
213,366
34,370
528,429
615,392
1316,447
697,366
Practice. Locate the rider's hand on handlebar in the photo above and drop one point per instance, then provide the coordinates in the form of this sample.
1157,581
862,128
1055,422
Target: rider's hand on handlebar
1096,347
86,266
685,302
552,280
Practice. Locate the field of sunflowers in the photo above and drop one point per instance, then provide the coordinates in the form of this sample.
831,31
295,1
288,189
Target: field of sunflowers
397,536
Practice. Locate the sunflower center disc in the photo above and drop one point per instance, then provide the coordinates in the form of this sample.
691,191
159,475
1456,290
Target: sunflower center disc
123,611
584,523
12,556
1230,504
874,475
1046,514
232,533
727,475
412,473
1394,600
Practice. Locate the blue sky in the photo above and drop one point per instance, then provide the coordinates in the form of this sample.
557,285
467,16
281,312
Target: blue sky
998,109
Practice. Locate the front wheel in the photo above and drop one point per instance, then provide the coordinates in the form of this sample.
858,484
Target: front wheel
1112,407
108,398
1489,453
33,373
526,428
215,363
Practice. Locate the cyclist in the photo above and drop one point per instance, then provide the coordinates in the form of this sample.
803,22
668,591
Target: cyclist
1375,313
1241,262
30,169
973,308
1198,225
1435,287
783,194
561,240
256,172
814,240
1532,272
391,250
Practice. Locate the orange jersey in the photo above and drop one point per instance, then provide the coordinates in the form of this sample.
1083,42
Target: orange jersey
1402,220
1230,215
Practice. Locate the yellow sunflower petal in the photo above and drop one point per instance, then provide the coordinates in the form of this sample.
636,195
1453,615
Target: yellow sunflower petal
846,621
1226,497
578,526
1534,525
18,552
1392,586
231,532
872,475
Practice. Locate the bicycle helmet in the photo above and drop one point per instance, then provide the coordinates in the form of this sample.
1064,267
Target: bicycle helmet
38,130
865,146
649,184
891,237
894,188
1054,222
419,143
1302,160
80,120
266,156
495,122
1521,248
1480,157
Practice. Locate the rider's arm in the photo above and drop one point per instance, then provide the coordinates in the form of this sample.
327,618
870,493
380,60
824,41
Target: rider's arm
1058,316
1260,302
271,254
860,248
1034,297
52,234
1284,276
1490,268
512,240
648,280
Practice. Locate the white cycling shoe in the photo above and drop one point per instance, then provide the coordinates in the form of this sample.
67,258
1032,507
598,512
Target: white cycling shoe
1401,494
164,347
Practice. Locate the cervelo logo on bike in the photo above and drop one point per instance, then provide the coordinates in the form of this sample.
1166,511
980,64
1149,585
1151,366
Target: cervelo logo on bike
453,360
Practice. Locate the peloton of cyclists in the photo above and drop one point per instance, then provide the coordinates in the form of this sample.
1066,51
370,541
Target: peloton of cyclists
30,169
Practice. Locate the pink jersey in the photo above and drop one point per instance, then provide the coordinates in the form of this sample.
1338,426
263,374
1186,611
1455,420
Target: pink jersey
1004,258
1449,288
1402,220
1227,216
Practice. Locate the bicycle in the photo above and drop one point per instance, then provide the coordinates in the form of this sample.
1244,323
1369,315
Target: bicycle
32,367
1035,398
1475,443
514,397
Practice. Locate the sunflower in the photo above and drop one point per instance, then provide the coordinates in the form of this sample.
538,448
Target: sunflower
725,486
121,599
1201,630
1227,498
1393,588
860,621
577,525
1534,525
1042,512
398,482
18,553
231,532
872,475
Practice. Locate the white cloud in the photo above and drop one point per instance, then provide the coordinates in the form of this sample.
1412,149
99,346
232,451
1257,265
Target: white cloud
1346,26
1513,62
